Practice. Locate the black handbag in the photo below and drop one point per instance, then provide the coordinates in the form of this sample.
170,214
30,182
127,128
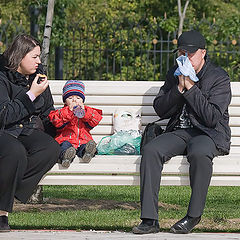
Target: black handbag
151,131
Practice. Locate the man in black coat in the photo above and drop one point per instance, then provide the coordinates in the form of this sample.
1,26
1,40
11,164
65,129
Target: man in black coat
197,104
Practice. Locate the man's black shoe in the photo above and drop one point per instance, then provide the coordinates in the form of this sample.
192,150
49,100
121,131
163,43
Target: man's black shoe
4,227
144,228
185,225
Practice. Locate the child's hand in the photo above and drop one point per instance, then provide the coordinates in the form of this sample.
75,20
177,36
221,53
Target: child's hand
81,103
71,105
78,111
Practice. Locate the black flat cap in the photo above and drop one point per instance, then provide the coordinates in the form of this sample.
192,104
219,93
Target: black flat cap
191,41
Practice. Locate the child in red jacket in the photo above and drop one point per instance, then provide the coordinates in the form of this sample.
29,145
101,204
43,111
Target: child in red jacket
74,122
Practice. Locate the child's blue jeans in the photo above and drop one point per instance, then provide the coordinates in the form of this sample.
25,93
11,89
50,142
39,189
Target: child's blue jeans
66,144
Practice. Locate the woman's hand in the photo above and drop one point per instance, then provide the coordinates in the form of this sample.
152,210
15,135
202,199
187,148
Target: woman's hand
38,88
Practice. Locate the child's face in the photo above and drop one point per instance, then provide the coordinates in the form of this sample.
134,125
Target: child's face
74,100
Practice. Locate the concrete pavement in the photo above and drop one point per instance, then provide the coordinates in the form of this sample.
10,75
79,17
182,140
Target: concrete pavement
102,235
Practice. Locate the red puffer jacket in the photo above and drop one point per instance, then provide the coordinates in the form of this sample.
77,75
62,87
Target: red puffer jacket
73,129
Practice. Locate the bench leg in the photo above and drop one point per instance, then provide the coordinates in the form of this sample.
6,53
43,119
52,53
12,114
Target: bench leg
37,196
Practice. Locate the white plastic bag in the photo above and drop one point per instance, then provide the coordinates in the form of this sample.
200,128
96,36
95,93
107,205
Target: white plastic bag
125,120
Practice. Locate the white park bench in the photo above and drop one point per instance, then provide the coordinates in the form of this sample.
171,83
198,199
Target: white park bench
124,169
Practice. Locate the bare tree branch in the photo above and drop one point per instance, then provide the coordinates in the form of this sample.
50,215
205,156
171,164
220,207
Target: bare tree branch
181,15
179,8
47,34
185,8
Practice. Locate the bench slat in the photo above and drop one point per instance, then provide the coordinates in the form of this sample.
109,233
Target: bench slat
132,180
235,101
235,140
234,111
108,130
108,88
130,164
109,110
145,110
108,120
92,86
235,89
112,100
235,150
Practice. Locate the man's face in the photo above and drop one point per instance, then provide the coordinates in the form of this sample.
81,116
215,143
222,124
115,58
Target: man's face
196,58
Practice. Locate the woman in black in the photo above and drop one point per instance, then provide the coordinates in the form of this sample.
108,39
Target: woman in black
27,152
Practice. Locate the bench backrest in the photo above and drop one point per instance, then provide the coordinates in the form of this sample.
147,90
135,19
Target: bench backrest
139,95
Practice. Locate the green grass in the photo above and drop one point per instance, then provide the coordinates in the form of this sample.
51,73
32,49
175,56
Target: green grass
221,212
76,220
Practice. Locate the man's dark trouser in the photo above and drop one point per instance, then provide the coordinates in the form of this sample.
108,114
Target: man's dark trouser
199,149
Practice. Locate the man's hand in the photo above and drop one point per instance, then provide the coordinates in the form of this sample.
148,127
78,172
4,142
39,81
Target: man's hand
181,84
188,83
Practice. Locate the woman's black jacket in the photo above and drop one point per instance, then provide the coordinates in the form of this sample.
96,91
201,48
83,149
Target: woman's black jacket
206,103
23,115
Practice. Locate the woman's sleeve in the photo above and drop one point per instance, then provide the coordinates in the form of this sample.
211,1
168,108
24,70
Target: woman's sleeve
18,108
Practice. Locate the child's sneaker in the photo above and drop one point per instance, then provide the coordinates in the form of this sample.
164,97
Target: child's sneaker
68,157
90,151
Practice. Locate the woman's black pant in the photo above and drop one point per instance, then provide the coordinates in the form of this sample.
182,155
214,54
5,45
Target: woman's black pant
23,162
199,150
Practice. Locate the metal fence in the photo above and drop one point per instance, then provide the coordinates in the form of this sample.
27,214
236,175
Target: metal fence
132,52
122,50
8,30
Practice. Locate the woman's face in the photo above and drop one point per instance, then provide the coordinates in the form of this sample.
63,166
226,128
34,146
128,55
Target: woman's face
30,62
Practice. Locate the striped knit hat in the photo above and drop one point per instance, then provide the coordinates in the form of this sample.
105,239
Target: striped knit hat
73,87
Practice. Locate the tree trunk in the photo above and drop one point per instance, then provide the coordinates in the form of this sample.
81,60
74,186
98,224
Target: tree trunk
47,34
181,15
37,196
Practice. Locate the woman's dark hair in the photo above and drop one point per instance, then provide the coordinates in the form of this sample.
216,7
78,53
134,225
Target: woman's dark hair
18,49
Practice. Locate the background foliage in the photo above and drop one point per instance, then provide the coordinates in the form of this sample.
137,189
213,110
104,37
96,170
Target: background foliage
97,33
